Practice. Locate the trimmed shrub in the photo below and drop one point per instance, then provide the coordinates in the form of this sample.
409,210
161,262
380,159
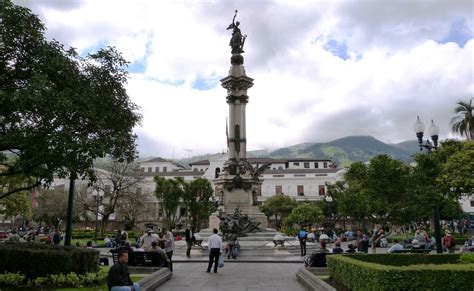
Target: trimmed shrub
356,274
467,258
11,280
38,260
407,259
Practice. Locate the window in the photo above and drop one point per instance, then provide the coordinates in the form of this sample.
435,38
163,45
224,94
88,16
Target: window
278,176
316,165
306,165
278,189
195,169
325,164
157,169
322,190
142,169
165,169
280,168
472,203
107,189
300,190
296,164
149,170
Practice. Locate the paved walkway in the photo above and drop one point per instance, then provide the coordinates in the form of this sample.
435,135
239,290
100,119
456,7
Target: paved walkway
235,277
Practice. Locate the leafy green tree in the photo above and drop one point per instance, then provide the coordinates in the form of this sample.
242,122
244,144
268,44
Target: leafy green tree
457,170
306,213
463,121
278,206
59,111
350,202
18,205
170,193
377,191
197,194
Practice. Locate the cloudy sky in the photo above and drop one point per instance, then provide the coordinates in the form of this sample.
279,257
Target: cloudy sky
322,69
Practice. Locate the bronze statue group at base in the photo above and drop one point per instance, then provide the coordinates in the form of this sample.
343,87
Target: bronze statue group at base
237,223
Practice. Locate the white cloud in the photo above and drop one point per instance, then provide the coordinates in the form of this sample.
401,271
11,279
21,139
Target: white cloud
302,92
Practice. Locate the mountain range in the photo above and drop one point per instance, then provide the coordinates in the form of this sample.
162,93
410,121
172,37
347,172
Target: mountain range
342,151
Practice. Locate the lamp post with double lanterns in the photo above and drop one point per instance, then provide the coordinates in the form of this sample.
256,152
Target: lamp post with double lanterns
429,146
329,200
98,196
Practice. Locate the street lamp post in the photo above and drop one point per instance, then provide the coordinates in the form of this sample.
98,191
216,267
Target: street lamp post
329,200
429,147
98,196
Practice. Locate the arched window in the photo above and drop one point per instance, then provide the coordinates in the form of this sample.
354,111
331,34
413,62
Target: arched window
218,171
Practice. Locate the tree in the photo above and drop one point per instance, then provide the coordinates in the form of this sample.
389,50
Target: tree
377,191
463,121
457,170
197,195
169,192
59,111
279,206
119,183
52,207
305,213
18,205
350,202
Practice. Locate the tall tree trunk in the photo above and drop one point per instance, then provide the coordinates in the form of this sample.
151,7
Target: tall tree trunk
103,224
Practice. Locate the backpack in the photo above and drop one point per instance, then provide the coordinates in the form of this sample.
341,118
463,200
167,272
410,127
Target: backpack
302,234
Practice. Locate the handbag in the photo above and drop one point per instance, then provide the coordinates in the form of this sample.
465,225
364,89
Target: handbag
221,262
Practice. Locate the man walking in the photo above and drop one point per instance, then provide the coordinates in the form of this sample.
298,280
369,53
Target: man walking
189,233
302,234
168,239
215,246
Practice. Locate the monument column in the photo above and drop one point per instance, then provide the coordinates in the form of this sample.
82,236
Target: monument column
239,182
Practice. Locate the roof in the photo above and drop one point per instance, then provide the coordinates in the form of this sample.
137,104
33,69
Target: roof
156,160
176,174
201,162
302,171
308,160
265,160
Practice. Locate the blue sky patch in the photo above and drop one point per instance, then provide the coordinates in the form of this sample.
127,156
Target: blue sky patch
338,49
137,66
459,33
206,83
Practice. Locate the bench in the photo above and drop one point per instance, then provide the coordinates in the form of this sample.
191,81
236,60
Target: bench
144,259
412,251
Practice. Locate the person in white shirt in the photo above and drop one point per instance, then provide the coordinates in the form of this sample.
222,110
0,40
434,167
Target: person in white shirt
148,239
215,246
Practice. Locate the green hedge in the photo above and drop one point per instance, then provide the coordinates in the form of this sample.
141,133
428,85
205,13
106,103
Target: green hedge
407,259
37,260
356,274
16,281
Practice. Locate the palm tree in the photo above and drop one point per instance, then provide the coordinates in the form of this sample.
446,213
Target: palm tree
463,122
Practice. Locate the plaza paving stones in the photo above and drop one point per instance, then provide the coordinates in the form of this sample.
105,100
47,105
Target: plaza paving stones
235,277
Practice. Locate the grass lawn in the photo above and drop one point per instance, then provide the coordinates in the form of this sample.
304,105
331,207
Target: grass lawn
135,278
